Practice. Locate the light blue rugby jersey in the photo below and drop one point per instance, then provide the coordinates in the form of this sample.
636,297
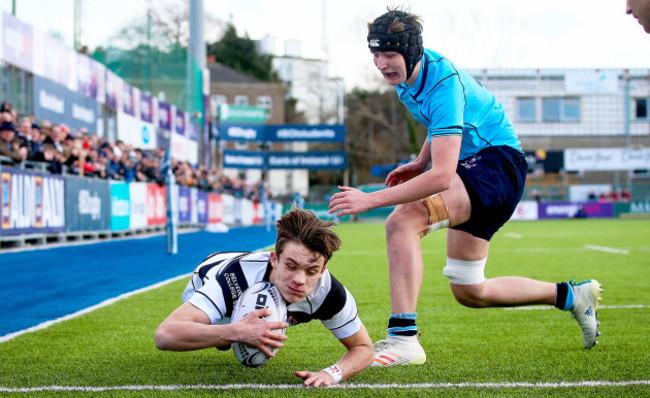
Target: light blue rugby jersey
450,102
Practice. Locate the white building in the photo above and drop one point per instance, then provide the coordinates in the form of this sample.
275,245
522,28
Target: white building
555,109
318,96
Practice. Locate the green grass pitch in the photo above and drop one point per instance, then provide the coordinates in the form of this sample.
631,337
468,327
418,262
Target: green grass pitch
112,348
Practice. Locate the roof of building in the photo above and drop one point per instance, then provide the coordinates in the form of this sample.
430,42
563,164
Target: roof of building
220,73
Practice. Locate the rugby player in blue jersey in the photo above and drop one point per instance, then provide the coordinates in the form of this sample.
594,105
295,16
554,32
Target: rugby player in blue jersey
469,177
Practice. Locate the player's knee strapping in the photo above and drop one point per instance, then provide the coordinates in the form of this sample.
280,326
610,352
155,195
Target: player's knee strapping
438,212
462,272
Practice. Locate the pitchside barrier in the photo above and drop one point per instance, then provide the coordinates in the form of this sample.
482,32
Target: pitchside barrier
526,210
38,208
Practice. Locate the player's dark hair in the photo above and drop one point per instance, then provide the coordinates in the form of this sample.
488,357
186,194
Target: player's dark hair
302,226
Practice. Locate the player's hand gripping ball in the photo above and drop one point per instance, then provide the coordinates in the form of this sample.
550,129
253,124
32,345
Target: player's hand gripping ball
258,296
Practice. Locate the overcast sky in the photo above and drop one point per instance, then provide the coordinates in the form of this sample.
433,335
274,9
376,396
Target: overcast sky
472,33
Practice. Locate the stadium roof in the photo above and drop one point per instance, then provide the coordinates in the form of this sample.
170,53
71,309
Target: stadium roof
220,73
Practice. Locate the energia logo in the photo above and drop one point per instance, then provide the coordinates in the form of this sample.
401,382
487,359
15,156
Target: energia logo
374,43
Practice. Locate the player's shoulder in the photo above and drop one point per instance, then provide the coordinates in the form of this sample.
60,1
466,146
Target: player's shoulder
329,292
218,261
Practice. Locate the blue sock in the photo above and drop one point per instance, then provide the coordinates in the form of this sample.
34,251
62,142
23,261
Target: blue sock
564,296
402,324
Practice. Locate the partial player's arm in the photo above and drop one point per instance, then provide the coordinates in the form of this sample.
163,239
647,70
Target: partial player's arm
412,169
444,154
189,328
359,356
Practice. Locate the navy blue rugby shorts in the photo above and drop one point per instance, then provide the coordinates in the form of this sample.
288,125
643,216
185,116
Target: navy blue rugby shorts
494,179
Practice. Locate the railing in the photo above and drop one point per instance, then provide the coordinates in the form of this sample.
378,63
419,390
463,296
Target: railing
39,208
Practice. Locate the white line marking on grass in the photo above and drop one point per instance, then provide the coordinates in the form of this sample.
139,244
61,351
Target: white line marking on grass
513,235
550,307
89,309
104,303
607,249
525,384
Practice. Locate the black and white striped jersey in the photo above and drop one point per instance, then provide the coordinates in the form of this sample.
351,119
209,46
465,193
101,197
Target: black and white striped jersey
220,279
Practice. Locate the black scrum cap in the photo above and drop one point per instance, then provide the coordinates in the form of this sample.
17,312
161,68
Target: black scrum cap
408,42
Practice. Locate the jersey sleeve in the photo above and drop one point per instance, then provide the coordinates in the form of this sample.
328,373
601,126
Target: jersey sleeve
346,322
444,106
338,312
210,299
204,289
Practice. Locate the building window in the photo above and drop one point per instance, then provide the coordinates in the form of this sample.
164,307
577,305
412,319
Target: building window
241,100
555,109
266,102
641,108
526,111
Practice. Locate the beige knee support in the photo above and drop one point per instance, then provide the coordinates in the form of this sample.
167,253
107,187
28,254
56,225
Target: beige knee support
438,212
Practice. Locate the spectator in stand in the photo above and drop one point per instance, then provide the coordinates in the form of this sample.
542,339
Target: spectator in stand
184,175
36,143
147,170
71,155
112,162
127,167
56,137
93,166
46,129
592,196
536,195
24,132
626,195
6,107
50,155
94,141
603,197
5,116
119,148
9,144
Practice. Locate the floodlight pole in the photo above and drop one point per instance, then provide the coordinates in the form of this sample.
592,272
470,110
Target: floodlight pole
628,138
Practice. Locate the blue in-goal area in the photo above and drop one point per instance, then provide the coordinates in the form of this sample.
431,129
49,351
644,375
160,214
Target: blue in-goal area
42,285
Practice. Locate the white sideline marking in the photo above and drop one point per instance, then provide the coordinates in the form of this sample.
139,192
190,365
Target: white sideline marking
564,384
607,249
513,235
550,307
104,303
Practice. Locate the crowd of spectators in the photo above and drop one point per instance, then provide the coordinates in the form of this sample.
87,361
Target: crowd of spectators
60,150
617,195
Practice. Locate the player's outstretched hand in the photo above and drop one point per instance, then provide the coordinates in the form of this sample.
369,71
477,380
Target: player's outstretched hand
404,173
316,379
255,332
349,201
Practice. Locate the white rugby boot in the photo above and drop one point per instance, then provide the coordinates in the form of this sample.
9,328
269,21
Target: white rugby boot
585,309
399,350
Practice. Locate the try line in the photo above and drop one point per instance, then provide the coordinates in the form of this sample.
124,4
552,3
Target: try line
348,386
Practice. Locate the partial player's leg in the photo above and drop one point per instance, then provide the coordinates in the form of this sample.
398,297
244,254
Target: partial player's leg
465,269
405,227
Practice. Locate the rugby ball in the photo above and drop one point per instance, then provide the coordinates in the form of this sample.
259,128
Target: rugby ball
258,296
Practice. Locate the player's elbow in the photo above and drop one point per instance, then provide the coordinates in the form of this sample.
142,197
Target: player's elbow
163,339
440,179
445,180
